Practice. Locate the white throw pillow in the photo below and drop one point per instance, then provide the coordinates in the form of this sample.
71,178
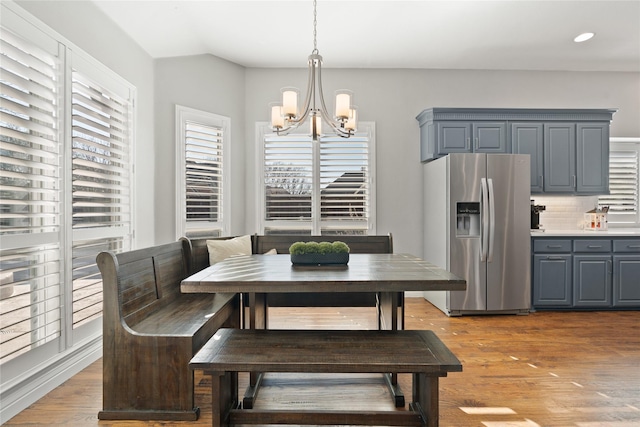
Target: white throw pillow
271,252
223,249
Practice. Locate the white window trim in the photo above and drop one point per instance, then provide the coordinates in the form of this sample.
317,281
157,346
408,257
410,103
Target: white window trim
184,114
262,129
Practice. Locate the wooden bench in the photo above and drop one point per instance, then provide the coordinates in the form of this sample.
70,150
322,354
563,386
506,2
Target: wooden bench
313,351
151,331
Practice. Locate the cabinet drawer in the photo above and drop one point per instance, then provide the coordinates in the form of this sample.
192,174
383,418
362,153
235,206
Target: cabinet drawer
595,245
551,245
626,245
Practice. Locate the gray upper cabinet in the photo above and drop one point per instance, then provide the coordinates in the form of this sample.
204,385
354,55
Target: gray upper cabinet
559,157
471,137
527,138
592,145
569,148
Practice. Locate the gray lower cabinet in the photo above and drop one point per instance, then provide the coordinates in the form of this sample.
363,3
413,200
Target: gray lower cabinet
592,281
586,273
551,280
552,272
626,273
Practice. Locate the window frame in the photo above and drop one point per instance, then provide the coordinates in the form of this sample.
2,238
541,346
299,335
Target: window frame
622,220
26,374
316,226
184,114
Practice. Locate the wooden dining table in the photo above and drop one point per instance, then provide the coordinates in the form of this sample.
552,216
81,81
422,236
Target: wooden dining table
387,275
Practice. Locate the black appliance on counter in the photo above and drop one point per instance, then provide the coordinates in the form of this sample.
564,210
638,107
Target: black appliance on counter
535,215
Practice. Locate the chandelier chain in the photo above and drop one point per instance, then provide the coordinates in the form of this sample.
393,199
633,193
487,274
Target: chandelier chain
315,32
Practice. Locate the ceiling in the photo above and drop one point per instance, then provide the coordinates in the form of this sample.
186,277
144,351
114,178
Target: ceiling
491,35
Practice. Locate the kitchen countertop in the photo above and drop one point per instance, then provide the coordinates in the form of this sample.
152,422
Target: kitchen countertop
614,232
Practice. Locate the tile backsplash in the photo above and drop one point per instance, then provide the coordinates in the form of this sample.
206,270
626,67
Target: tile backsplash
564,213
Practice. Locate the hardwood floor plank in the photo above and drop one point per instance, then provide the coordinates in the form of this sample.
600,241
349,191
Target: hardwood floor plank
579,369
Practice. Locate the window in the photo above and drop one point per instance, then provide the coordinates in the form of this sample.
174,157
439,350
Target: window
31,269
202,173
317,188
66,193
623,183
101,187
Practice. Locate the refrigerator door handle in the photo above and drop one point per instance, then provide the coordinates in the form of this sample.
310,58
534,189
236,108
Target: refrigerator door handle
484,232
492,220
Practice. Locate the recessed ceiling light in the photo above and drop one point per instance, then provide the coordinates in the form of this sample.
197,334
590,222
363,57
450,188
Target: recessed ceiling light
584,37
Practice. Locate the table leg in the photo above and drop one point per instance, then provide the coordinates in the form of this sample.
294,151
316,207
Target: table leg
257,320
425,395
224,396
391,317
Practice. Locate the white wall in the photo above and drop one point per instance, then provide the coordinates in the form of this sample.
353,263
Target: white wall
85,26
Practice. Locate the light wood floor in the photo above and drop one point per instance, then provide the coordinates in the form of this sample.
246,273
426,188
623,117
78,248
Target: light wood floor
546,369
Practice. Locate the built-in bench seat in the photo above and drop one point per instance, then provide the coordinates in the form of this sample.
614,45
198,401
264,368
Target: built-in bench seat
151,331
240,350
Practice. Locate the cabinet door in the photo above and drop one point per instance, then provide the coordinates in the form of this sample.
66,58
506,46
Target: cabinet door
592,280
552,280
559,157
489,137
454,137
626,280
592,158
526,138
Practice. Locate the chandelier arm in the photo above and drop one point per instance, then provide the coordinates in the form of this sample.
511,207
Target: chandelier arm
335,125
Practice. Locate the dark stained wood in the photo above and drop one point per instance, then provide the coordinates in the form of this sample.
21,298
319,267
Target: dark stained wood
319,351
508,363
151,330
262,243
365,273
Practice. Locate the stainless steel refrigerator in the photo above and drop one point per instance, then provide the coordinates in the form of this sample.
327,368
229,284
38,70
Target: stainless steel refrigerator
477,225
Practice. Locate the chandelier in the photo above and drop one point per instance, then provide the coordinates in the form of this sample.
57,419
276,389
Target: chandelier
286,117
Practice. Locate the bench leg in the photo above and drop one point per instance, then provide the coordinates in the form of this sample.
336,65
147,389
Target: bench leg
224,396
425,394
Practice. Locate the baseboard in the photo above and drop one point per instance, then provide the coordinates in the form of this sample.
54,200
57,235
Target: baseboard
33,387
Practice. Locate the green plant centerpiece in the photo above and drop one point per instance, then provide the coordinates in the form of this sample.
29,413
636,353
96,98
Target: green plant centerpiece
319,253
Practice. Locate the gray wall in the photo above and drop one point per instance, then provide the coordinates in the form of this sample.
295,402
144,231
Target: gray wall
206,83
393,98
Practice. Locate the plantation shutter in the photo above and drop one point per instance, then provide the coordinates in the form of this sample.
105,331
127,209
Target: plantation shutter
319,188
344,180
623,183
288,179
203,172
30,182
101,192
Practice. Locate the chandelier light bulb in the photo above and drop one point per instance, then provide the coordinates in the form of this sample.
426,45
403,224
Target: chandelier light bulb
277,118
290,102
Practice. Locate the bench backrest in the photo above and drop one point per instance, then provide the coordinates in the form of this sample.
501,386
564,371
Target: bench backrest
198,254
139,282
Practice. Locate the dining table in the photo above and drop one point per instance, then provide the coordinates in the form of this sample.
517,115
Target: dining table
389,276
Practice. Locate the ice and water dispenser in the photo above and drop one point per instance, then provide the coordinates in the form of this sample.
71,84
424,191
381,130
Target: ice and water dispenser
468,219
